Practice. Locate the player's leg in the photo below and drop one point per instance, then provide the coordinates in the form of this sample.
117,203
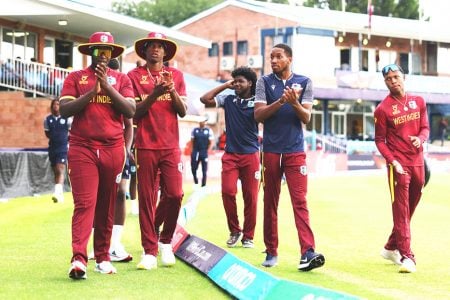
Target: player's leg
230,174
194,165
58,163
146,175
250,175
171,174
111,162
272,185
204,162
83,174
297,180
117,250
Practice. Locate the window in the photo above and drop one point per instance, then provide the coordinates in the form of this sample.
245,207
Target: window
242,48
214,50
345,59
227,48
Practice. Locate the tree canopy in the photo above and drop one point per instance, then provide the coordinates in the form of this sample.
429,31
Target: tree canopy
406,9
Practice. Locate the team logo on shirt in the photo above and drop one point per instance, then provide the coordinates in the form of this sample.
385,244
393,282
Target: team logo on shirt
251,104
395,110
83,79
111,80
303,170
144,79
273,87
62,121
412,104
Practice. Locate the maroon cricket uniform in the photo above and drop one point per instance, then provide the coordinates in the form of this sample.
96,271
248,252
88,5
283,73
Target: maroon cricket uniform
157,144
95,161
395,122
240,161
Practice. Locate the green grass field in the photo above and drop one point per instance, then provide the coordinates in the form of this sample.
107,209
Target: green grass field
350,216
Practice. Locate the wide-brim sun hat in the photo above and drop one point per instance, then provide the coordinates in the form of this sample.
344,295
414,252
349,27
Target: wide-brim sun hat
169,45
101,39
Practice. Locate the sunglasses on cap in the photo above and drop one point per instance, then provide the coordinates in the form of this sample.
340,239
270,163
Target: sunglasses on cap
101,52
391,67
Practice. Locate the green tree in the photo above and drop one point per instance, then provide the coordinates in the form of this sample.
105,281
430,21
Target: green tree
407,9
163,12
167,12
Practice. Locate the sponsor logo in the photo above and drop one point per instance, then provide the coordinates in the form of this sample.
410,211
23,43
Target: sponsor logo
239,277
83,80
199,250
144,80
395,110
407,118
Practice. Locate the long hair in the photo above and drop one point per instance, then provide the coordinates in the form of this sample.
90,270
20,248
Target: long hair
248,74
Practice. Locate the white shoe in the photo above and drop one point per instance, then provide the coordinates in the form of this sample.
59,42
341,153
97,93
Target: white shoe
392,255
408,266
119,254
58,198
105,267
167,257
148,262
77,270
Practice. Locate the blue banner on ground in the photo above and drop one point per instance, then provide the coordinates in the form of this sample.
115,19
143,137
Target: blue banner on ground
286,289
241,279
199,253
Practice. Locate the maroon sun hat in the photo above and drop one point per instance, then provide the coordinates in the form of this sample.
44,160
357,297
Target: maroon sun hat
101,39
169,45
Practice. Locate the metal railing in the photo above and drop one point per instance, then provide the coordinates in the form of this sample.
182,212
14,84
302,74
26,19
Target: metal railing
33,78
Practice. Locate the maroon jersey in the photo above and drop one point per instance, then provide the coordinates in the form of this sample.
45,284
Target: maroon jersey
158,128
98,125
395,122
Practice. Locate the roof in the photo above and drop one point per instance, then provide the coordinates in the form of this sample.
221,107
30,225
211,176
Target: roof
83,20
317,18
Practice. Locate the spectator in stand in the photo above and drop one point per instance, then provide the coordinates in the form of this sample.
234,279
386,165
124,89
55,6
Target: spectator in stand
56,130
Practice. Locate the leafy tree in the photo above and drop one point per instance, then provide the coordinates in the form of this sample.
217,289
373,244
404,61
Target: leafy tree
163,12
167,12
407,9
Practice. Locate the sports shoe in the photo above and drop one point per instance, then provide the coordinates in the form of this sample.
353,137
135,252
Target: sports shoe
247,243
105,267
148,262
311,260
392,255
58,198
119,254
271,261
167,257
77,270
234,239
407,266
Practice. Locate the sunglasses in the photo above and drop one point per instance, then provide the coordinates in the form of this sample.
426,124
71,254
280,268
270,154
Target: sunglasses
101,52
391,67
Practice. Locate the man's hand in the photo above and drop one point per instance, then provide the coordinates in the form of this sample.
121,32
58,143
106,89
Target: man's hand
415,141
398,168
100,73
